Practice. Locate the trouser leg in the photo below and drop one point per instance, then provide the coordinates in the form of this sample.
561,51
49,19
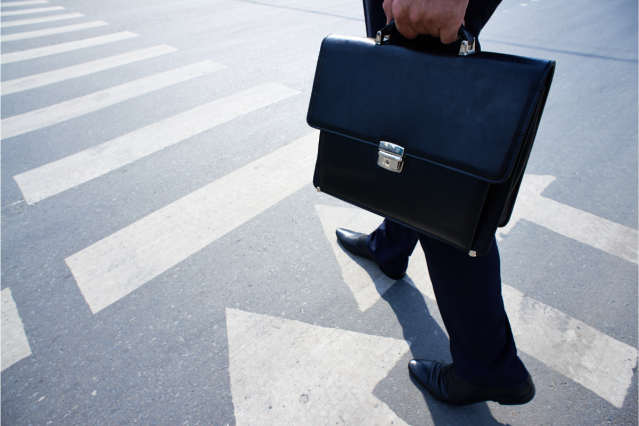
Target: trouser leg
391,244
468,292
374,15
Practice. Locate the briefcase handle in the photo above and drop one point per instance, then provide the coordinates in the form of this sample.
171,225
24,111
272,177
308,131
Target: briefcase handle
467,45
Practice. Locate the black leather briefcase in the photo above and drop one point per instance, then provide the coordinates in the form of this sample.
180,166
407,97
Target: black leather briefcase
435,141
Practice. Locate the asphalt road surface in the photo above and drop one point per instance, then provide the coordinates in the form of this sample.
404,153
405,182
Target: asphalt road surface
167,261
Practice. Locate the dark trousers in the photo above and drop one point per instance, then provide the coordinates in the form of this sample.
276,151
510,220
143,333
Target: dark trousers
468,292
468,289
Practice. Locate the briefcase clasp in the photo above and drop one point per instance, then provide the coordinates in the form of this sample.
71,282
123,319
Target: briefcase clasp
467,48
390,157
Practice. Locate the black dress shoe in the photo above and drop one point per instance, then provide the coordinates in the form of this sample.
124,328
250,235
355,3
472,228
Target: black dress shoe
443,383
355,242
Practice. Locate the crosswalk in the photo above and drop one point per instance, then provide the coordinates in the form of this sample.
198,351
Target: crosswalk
33,21
117,265
54,114
80,70
8,58
51,179
51,31
30,11
23,3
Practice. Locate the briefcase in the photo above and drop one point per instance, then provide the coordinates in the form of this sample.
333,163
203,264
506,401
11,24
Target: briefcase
433,140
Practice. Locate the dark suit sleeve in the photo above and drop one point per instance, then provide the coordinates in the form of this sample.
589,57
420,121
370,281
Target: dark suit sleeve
477,15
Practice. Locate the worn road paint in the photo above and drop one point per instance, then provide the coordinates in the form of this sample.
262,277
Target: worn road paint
54,114
50,31
55,49
53,178
29,11
80,70
120,263
15,345
40,20
570,222
569,346
286,372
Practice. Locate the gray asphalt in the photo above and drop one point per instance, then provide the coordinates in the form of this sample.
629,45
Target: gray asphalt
159,355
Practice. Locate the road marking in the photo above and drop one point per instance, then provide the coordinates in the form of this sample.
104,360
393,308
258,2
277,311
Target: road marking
362,276
56,76
51,31
569,346
40,52
28,11
23,3
570,222
53,178
286,372
40,20
120,263
15,345
58,113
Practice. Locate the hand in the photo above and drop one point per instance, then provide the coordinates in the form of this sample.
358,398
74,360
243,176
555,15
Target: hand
439,18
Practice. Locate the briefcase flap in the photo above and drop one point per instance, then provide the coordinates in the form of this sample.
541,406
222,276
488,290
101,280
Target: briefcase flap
469,114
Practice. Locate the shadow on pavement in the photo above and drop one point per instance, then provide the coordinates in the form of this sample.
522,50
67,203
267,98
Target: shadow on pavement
429,341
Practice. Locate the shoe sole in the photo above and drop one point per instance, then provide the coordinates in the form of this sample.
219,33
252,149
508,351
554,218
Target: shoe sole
519,401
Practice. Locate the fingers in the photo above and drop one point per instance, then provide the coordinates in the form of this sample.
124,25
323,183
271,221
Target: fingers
405,25
439,18
388,10
448,34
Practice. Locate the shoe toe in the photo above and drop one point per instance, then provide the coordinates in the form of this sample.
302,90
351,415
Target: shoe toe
354,242
422,370
346,235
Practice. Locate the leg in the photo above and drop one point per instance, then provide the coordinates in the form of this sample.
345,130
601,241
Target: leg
389,246
468,292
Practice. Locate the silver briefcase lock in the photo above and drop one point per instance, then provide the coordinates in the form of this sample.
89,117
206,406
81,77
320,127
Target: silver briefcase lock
390,157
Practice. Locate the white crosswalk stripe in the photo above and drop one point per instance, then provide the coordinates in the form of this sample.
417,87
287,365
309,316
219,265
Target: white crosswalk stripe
581,226
58,113
51,31
40,52
115,266
76,169
569,346
57,76
32,21
29,11
15,345
23,3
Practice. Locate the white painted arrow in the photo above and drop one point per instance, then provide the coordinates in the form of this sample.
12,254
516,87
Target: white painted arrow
286,372
568,221
569,346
